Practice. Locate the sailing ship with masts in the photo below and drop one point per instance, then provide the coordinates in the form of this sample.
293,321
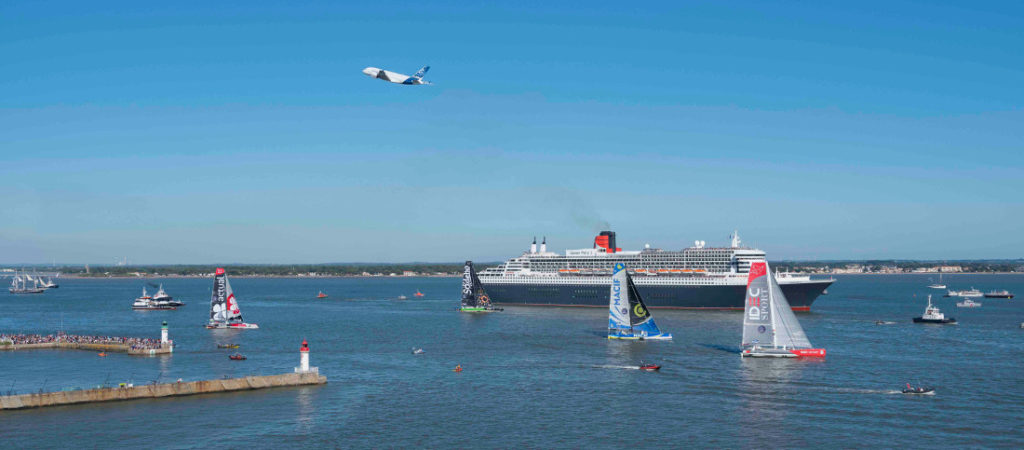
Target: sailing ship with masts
628,316
770,329
23,283
224,311
474,297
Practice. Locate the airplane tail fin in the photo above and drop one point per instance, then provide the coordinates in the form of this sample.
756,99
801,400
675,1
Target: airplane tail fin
419,74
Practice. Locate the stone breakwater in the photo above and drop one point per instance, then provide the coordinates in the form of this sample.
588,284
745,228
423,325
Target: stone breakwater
95,346
58,398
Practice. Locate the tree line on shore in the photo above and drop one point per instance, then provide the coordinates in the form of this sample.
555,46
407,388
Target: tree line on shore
421,269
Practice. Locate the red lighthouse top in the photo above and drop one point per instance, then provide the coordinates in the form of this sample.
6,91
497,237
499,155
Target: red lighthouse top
305,346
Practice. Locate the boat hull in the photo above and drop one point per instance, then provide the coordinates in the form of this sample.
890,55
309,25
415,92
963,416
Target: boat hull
232,326
783,353
720,297
637,337
479,310
154,308
950,321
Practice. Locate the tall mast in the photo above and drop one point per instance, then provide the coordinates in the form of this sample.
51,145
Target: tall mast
771,304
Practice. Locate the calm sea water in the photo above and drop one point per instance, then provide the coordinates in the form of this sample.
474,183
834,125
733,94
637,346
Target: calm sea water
536,377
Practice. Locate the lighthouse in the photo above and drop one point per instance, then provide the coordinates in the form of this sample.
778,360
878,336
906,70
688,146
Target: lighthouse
304,359
164,334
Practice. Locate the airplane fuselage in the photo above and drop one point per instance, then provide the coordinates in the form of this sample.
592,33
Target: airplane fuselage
393,77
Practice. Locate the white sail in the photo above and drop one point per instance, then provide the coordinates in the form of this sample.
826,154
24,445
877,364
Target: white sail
788,332
233,313
618,302
758,326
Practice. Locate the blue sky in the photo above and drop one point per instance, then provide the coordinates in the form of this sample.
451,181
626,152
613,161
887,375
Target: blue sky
245,132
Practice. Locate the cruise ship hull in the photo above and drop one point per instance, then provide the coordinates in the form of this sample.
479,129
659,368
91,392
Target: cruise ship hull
800,294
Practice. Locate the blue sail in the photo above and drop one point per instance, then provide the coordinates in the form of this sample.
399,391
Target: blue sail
628,316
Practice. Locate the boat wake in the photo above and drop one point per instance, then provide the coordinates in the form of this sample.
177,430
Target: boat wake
608,366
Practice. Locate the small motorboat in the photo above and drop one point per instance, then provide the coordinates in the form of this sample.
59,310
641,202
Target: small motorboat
402,297
417,351
933,315
418,294
884,322
102,354
321,295
968,303
649,367
920,390
237,357
458,368
227,345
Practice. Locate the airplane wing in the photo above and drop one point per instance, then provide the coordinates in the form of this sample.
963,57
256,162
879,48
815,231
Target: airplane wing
383,75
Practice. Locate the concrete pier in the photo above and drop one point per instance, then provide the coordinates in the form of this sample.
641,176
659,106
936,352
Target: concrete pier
100,347
158,390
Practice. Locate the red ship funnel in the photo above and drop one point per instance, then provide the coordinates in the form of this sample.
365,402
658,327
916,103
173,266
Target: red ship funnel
606,240
220,271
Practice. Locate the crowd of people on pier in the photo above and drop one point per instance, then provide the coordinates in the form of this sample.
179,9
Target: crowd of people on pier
133,343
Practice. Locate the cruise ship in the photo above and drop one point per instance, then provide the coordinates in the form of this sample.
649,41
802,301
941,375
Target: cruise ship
698,277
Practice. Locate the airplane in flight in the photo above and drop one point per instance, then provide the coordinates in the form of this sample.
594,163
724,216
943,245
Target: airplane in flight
415,79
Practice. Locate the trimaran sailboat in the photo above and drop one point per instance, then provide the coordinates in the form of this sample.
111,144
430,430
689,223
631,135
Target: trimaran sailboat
474,298
628,316
224,312
770,328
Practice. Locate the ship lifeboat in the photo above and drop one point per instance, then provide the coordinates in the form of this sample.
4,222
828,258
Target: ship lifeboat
687,271
641,270
563,270
674,270
662,270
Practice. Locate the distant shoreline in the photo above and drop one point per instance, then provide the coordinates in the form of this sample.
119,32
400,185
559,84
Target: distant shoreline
398,277
106,277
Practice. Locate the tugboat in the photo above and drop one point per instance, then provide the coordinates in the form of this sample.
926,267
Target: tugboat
999,294
968,303
933,315
920,390
237,357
